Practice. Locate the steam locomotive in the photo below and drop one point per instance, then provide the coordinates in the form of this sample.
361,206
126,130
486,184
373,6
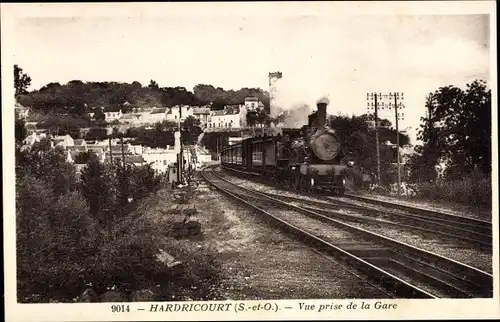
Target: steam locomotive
305,159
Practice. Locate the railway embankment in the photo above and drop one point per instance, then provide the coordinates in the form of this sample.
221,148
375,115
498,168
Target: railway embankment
480,212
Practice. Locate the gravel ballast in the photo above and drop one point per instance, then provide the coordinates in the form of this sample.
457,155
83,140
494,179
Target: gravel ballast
260,262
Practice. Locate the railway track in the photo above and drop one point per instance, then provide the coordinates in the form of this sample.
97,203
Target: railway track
454,229
403,270
470,230
481,226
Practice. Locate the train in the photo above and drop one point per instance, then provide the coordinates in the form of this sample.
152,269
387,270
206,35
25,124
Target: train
310,158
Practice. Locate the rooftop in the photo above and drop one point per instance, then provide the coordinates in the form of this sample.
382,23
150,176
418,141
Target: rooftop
129,116
201,110
134,159
76,148
161,110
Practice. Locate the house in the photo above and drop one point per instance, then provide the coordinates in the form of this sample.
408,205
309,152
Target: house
84,131
63,141
160,159
232,116
136,149
34,138
202,114
202,155
112,116
173,113
80,142
31,127
136,160
116,150
21,112
132,119
99,150
117,154
158,114
77,148
253,103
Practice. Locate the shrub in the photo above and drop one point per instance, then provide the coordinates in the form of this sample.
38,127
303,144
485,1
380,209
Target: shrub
128,262
54,236
473,189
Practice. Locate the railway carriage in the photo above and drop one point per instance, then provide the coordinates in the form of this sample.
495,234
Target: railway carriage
306,160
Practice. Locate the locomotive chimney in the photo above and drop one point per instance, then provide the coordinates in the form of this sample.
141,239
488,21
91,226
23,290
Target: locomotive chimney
321,113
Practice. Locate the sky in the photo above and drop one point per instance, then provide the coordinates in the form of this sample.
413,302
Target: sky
339,56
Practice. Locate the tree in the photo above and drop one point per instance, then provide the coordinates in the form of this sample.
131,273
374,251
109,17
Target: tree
153,84
256,117
136,84
83,157
99,115
43,162
21,81
143,181
123,174
97,188
96,133
20,130
358,143
191,130
457,130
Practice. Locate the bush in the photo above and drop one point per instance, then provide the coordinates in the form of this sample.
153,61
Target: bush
473,189
54,236
70,234
129,263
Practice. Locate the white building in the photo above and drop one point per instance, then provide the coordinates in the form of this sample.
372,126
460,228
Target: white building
132,119
160,159
232,116
21,112
173,113
63,141
112,116
34,138
202,114
253,103
158,114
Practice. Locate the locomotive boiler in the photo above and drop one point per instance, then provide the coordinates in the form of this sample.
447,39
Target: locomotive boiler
306,159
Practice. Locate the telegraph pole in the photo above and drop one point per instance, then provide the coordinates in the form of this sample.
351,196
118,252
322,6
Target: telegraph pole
377,98
123,151
396,97
217,147
110,151
373,96
181,154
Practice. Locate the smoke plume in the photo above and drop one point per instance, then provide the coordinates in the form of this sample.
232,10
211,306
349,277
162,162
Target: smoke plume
295,116
324,100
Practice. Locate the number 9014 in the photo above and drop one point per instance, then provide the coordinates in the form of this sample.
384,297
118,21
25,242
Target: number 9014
120,308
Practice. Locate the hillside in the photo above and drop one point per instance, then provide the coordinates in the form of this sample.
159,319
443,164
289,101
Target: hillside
77,97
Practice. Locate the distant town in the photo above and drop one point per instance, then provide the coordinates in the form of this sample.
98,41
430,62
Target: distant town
230,117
